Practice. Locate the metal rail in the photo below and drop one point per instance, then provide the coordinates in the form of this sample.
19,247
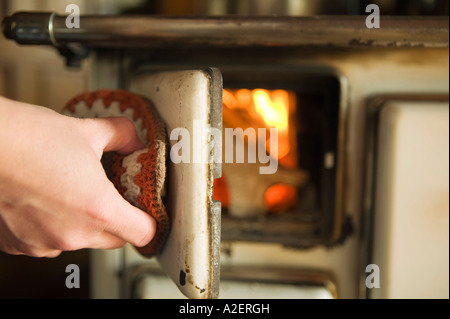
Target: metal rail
228,31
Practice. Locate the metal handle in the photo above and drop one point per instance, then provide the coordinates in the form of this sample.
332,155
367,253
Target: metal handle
29,28
157,31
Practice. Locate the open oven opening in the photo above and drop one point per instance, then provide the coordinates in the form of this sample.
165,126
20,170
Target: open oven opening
296,206
304,103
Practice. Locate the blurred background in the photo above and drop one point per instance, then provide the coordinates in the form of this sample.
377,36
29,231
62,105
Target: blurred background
37,74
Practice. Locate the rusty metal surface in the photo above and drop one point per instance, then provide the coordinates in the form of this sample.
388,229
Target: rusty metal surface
160,31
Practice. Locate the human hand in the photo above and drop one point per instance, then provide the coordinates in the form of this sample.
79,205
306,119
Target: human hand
54,193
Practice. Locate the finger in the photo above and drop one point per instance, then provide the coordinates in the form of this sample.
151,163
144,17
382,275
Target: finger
113,134
128,222
123,135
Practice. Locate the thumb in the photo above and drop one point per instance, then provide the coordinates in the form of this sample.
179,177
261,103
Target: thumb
128,222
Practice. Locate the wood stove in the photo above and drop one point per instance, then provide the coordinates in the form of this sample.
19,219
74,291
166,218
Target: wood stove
308,77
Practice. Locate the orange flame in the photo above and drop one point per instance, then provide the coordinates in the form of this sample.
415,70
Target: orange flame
271,106
262,108
279,198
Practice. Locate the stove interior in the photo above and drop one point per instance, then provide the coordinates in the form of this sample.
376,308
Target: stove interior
298,205
305,109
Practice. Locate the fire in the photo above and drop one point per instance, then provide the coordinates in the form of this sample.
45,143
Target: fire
279,198
270,107
262,108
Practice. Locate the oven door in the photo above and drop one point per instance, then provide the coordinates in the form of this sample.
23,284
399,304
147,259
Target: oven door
410,225
190,103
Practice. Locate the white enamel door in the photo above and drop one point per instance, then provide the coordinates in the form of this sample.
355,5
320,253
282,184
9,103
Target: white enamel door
411,221
190,103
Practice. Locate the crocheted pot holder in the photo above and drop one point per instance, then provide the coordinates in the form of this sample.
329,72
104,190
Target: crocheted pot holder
140,176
